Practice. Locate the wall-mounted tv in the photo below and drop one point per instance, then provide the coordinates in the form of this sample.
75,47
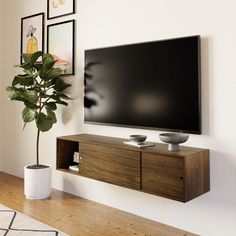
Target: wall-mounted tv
152,85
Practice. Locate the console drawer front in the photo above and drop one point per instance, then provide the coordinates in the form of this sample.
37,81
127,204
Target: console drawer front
163,175
109,164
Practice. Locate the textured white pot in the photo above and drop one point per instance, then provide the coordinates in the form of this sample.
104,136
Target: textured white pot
37,183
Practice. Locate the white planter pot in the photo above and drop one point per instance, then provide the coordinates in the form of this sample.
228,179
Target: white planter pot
37,182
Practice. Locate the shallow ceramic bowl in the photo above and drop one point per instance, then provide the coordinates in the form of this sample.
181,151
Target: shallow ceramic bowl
173,138
138,138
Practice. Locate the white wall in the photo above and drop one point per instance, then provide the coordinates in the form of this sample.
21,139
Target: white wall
105,23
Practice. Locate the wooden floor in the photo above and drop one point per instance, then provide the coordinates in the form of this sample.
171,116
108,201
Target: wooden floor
80,217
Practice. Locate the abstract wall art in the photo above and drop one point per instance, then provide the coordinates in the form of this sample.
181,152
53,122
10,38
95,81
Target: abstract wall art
32,34
60,43
57,8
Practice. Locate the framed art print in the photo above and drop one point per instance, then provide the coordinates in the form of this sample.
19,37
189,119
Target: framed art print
60,43
57,8
32,34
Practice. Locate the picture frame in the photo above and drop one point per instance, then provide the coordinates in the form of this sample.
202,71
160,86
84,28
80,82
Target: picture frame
60,43
58,8
32,34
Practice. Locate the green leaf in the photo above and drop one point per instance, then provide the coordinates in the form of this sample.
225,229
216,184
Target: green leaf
53,73
58,100
43,122
48,84
28,72
16,80
30,96
10,88
26,57
15,94
24,80
35,57
60,85
12,92
36,74
28,114
31,105
38,67
47,60
51,115
63,96
50,65
24,126
56,97
36,87
51,105
62,103
26,66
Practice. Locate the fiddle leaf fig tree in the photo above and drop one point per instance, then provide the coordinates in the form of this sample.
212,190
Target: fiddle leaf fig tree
40,88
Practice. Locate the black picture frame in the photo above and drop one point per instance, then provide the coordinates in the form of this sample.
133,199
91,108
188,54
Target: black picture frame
56,5
61,44
30,25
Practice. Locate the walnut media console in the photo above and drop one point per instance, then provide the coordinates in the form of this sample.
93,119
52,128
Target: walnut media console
179,175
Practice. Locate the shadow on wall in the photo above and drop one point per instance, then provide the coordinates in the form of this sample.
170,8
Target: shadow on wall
223,174
68,185
88,85
75,92
206,77
80,93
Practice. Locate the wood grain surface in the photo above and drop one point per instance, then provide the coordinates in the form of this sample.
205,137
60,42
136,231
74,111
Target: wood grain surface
180,175
112,165
163,175
159,148
80,217
197,174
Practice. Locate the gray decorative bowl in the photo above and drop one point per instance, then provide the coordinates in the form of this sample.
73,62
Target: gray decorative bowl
137,138
173,140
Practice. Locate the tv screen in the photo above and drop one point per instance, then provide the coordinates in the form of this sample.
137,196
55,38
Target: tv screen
153,85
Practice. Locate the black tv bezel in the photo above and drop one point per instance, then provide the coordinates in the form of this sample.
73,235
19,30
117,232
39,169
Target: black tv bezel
158,128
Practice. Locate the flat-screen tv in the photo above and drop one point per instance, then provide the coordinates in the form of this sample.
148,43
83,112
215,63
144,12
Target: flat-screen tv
151,85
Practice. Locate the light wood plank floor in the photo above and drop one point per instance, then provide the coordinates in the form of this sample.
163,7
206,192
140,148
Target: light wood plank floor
80,217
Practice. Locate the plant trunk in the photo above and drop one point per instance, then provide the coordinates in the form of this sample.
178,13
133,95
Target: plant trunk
37,148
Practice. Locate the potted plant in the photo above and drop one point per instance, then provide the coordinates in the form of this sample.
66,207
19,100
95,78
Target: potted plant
40,88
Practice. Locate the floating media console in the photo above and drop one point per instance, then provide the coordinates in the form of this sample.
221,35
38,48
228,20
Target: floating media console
181,175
